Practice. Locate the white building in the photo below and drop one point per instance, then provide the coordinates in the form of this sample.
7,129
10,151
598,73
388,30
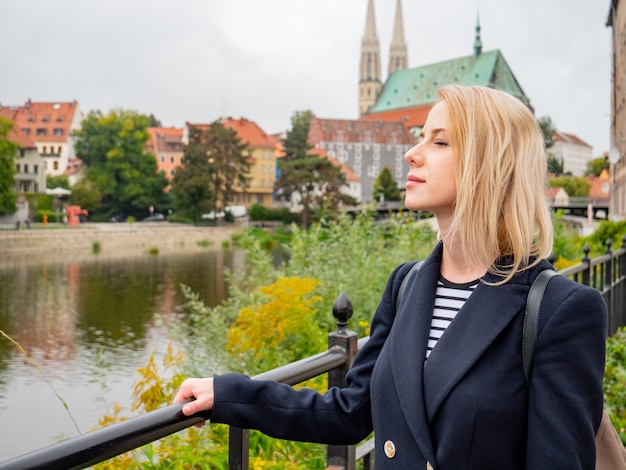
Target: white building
50,125
572,151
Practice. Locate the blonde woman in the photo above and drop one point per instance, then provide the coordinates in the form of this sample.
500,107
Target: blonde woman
441,380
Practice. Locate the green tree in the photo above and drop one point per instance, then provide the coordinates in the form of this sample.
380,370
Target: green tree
8,150
555,165
112,146
597,165
215,165
229,157
57,181
316,180
548,128
387,186
153,121
573,186
86,195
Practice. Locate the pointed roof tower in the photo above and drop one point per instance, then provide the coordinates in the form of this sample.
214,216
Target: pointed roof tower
370,82
478,45
398,56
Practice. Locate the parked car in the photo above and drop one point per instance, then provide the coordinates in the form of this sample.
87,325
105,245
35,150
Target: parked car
211,215
118,218
156,217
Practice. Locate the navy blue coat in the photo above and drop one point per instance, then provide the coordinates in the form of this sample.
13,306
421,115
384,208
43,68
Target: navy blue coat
467,406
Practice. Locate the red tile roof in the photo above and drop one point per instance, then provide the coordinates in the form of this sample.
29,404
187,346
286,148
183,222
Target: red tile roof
15,136
379,131
73,166
165,139
248,131
49,122
410,117
600,186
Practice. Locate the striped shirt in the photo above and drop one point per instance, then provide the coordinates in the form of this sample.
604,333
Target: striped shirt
449,299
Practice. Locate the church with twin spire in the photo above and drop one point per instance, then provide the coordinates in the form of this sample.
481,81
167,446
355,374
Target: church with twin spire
407,94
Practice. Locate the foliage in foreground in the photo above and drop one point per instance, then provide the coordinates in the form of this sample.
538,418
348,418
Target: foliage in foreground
277,313
615,381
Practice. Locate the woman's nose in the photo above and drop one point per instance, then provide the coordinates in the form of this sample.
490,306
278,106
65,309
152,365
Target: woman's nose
413,156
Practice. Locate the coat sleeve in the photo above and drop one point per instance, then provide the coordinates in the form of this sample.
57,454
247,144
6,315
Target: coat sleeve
340,416
566,393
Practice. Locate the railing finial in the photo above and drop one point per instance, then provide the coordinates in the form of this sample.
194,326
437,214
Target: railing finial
342,310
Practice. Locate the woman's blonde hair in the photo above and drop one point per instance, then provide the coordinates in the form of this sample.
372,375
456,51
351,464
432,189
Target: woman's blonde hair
501,173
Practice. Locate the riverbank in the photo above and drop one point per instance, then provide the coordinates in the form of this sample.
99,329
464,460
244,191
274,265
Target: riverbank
109,240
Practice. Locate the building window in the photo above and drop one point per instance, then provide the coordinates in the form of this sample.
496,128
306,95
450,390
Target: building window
172,160
41,131
162,159
44,150
17,168
58,132
22,153
26,131
36,169
55,165
59,150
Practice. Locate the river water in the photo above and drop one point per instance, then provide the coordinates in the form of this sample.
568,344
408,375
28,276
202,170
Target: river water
88,324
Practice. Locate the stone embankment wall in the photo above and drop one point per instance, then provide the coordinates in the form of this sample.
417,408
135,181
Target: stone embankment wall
112,239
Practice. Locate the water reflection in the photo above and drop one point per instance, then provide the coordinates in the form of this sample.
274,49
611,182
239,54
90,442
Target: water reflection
88,325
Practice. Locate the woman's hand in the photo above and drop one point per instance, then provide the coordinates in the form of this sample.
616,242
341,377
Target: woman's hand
201,390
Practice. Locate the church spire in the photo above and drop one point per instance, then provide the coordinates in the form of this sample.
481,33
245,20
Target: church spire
478,45
370,82
398,56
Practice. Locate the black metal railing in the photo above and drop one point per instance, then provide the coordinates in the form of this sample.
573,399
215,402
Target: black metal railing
607,273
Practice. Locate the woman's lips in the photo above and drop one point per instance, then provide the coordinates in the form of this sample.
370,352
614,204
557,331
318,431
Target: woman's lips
413,180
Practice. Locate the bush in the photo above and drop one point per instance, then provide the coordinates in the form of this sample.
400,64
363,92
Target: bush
615,381
261,213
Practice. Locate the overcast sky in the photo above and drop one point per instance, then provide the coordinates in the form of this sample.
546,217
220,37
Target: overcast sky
198,60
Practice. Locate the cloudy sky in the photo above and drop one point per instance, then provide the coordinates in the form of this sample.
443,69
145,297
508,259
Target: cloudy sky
198,60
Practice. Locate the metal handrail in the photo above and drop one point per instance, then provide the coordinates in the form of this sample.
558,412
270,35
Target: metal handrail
105,443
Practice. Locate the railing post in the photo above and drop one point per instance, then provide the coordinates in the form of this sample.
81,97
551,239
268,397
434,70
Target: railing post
608,283
621,279
341,457
586,274
238,448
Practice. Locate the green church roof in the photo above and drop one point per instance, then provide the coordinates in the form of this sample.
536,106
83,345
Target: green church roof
418,86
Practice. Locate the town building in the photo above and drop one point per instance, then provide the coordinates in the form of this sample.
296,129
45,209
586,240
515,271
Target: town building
572,151
262,160
166,144
50,125
30,176
617,22
408,94
363,147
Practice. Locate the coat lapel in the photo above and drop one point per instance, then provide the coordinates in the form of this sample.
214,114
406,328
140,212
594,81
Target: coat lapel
407,348
483,317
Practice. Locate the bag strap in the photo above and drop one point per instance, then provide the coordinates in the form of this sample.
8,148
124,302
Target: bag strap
531,319
414,269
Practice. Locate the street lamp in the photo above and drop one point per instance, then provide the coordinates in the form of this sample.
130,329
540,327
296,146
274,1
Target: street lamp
211,162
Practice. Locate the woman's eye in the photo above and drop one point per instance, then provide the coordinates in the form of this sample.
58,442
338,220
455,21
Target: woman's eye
441,143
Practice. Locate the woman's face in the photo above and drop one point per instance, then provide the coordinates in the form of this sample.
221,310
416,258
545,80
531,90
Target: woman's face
431,184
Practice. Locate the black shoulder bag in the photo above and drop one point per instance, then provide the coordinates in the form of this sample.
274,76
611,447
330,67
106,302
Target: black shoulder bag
610,452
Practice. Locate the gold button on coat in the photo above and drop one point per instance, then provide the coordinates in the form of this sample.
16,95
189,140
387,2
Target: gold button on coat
390,449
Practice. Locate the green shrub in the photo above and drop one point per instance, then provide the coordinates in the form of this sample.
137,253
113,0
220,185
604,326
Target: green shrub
615,381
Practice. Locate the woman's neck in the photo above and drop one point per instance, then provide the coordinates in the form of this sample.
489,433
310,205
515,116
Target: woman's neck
454,265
